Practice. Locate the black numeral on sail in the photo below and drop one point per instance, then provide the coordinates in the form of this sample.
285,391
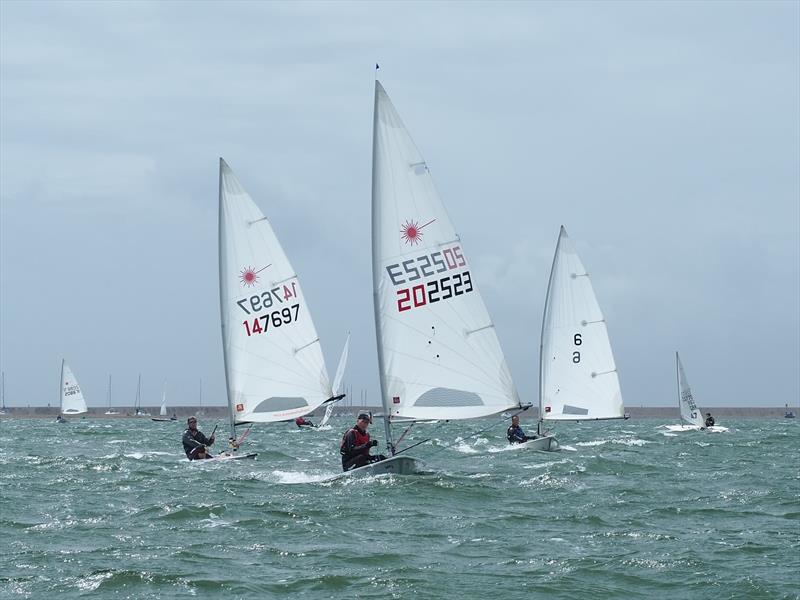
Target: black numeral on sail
577,339
576,357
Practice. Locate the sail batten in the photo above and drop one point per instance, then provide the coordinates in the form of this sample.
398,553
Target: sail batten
578,375
438,352
274,365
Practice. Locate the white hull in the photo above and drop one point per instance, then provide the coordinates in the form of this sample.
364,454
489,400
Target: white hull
222,457
547,443
397,465
681,428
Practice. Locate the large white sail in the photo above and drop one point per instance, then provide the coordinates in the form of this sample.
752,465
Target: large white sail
72,401
438,351
273,360
578,378
690,412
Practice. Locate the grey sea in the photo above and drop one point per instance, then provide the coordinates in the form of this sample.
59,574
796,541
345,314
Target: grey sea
111,509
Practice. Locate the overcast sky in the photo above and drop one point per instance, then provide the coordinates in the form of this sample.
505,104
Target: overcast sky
665,137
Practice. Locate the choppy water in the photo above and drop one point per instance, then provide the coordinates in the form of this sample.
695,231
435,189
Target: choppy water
108,509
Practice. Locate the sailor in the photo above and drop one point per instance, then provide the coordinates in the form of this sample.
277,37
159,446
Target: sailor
194,442
515,434
303,422
356,444
709,420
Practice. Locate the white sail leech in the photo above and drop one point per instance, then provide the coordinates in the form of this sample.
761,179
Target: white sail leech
690,412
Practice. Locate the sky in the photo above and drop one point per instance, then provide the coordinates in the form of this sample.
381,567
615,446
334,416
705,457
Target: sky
665,137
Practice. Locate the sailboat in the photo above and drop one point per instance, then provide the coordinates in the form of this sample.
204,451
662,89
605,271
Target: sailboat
578,378
691,415
137,409
110,410
2,393
163,411
438,352
70,394
337,383
274,367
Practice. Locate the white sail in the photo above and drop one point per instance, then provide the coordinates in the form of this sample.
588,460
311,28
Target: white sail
578,376
163,411
690,412
274,366
439,354
72,401
337,381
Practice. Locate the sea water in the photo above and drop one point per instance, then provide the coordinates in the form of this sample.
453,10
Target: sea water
110,508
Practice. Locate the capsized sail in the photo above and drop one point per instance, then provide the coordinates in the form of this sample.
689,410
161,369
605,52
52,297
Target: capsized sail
274,366
690,412
438,352
72,401
578,376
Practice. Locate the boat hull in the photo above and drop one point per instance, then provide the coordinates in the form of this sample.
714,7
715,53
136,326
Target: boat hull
682,428
547,443
226,457
397,465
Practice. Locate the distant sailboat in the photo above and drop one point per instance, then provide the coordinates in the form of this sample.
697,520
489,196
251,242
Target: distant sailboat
137,410
2,393
691,415
71,396
274,367
578,378
110,410
163,410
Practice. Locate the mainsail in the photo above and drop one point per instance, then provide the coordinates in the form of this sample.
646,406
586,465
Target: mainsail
72,402
690,412
438,353
578,377
163,411
274,366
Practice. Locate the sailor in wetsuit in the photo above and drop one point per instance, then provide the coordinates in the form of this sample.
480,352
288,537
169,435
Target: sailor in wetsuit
356,444
709,420
194,442
515,434
303,422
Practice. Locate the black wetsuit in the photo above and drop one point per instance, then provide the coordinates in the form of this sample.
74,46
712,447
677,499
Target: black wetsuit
515,435
194,440
709,421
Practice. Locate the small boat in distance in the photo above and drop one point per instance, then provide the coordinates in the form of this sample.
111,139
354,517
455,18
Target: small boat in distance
788,414
110,410
163,410
691,415
137,407
71,397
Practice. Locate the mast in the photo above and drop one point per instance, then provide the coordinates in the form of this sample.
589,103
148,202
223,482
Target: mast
376,277
678,377
61,390
220,239
109,391
138,406
200,408
3,390
541,337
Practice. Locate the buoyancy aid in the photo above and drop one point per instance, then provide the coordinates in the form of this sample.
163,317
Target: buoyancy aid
360,439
